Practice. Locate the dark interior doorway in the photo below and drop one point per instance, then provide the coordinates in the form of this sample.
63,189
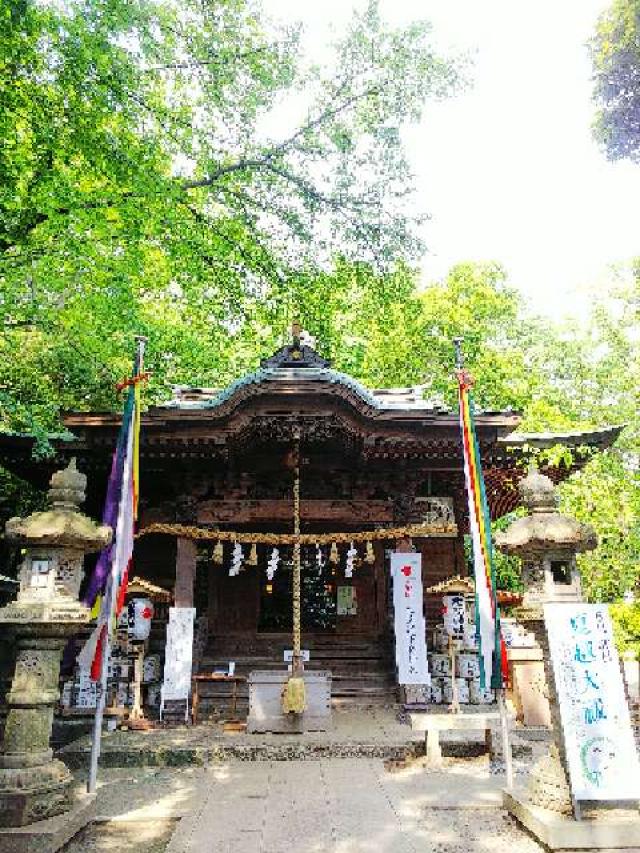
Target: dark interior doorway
318,604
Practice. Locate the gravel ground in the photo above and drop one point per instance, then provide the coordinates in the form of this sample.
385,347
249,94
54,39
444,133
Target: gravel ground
152,837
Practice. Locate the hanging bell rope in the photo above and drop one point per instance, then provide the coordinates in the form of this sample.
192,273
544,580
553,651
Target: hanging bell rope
297,640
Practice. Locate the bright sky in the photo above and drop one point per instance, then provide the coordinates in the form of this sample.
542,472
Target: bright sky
508,171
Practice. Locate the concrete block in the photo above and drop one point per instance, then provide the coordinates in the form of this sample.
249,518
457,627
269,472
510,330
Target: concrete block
265,703
560,832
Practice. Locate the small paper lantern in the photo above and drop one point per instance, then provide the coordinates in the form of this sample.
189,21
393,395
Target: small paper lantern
140,614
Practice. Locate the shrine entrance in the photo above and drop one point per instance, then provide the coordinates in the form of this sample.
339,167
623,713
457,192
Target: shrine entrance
318,596
330,602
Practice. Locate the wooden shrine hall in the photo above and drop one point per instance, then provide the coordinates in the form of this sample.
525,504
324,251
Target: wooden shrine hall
370,460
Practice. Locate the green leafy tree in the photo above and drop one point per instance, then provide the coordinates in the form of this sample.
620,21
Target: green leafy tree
615,51
151,172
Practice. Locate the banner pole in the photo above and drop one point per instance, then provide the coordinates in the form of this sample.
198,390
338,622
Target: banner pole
96,738
506,741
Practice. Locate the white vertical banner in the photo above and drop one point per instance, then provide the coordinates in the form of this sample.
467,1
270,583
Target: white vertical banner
178,655
596,725
410,628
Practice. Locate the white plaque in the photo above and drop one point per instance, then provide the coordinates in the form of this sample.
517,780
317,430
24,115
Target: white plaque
411,646
178,654
599,743
304,655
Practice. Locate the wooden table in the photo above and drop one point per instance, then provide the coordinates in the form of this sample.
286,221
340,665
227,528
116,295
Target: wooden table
214,677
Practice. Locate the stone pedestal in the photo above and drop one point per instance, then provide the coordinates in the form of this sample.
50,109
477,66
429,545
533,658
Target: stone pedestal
35,787
529,688
48,836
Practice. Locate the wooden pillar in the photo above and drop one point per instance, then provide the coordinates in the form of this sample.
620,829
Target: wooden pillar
186,552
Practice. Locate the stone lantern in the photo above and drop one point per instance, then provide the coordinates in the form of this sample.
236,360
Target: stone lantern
547,542
34,786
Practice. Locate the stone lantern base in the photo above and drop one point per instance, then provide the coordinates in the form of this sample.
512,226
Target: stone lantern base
48,836
30,794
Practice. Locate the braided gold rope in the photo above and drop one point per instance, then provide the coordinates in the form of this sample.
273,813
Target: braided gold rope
296,568
204,534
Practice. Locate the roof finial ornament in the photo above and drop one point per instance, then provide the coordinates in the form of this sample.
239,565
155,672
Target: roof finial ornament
296,330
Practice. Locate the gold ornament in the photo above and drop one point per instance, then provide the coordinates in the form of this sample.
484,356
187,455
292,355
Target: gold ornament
218,554
369,556
253,556
333,553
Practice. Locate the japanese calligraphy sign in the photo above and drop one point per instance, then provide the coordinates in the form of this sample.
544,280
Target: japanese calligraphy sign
454,616
411,646
178,653
601,753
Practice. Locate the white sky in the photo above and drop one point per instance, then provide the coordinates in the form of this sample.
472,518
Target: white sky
508,171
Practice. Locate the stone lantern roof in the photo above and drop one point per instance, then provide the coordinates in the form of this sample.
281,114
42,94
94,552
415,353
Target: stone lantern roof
544,529
62,525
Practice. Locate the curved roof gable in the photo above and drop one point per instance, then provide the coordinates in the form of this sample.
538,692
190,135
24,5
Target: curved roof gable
294,364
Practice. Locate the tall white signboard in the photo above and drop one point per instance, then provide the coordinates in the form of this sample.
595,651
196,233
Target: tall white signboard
411,646
178,655
599,743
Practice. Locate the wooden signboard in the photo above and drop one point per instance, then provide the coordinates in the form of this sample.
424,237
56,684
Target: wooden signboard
596,726
411,646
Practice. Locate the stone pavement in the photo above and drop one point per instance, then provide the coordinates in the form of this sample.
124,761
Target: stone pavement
358,789
349,806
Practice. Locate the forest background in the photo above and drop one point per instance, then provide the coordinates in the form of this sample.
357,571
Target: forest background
143,190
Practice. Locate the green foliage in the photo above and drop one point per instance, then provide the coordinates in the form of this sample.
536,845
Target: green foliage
615,51
151,172
626,626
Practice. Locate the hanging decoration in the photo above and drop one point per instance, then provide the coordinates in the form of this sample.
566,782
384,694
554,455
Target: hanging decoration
218,554
333,553
369,556
205,534
253,556
236,560
352,555
320,560
493,653
272,564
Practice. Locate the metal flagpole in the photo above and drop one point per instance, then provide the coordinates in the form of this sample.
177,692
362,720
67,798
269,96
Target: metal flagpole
96,739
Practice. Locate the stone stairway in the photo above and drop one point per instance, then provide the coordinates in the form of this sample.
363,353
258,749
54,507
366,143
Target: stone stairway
361,668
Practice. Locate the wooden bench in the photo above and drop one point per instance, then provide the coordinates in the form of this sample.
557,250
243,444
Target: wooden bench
433,724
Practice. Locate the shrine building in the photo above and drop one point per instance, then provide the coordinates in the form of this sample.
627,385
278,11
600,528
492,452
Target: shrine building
369,460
